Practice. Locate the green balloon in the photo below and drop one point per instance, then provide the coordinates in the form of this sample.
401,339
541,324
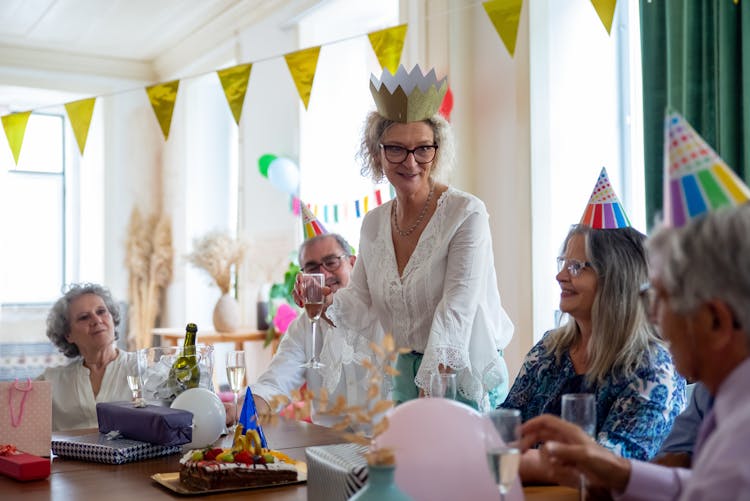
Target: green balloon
264,162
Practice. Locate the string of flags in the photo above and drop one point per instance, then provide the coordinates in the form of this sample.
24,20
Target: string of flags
387,44
345,210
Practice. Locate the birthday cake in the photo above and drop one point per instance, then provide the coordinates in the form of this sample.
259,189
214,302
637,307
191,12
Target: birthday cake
245,464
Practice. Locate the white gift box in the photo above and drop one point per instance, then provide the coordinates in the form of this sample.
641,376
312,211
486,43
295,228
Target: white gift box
335,472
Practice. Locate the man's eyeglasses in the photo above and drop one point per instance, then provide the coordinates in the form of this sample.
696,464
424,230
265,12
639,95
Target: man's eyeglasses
330,263
574,266
397,154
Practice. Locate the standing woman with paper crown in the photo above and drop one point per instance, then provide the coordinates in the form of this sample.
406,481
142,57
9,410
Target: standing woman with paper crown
608,347
82,324
425,269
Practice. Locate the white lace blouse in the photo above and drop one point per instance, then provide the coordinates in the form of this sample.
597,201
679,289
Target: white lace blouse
446,304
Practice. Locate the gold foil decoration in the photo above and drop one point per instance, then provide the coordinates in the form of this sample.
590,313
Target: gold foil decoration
388,45
505,15
302,65
79,114
408,96
15,128
234,81
605,9
163,97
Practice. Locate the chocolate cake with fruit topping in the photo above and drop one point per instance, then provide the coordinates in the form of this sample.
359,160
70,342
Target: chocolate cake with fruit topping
246,464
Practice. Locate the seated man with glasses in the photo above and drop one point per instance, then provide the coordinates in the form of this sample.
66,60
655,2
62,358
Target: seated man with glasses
608,348
342,351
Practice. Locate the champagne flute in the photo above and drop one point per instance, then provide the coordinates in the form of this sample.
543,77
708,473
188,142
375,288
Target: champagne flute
443,385
236,376
312,295
501,443
580,409
135,378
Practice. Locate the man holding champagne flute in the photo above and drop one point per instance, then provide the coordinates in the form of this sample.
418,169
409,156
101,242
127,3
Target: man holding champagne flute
341,351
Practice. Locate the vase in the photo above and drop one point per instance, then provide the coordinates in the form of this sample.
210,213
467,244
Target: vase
227,314
380,485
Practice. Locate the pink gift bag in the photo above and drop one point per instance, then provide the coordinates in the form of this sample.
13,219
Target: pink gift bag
26,415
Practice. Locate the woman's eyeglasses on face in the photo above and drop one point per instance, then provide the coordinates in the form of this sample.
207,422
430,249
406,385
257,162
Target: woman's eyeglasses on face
397,154
330,263
574,266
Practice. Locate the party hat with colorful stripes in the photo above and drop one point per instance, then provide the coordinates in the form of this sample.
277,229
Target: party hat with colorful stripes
311,227
604,210
696,179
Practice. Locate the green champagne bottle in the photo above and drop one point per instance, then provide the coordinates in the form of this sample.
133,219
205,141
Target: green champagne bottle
185,372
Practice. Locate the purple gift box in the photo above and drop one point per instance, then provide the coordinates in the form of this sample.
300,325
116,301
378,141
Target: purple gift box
153,424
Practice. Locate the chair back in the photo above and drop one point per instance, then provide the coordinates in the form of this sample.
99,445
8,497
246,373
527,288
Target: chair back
440,452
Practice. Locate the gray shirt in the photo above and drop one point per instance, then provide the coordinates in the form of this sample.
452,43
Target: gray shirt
685,428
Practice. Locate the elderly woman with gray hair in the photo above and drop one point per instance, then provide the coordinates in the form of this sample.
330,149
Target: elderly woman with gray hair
82,324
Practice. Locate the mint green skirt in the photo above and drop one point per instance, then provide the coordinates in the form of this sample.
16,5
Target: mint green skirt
405,389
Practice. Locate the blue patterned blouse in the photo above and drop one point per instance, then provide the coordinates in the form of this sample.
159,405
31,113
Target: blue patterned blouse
633,416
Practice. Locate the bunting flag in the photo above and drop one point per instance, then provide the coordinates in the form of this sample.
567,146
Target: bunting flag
505,15
388,45
605,9
302,65
234,82
79,114
15,128
604,210
163,97
696,179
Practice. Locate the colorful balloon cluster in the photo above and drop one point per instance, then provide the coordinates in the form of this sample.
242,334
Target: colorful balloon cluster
282,172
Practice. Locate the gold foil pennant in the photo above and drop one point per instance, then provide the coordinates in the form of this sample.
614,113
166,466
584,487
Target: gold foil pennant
15,128
79,114
163,97
234,81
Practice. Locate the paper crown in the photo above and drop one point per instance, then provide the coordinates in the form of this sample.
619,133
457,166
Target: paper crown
604,210
311,227
408,97
696,179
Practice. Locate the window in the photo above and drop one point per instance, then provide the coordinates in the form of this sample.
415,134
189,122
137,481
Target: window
331,127
32,201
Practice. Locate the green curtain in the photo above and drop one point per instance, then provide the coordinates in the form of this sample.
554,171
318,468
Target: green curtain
696,60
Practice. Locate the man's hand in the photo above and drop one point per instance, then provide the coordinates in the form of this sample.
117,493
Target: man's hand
568,451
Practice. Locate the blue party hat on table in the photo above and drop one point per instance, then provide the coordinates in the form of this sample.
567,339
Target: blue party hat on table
249,417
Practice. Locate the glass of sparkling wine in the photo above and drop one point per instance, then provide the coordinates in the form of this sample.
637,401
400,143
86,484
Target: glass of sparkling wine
135,378
501,442
236,376
580,409
312,294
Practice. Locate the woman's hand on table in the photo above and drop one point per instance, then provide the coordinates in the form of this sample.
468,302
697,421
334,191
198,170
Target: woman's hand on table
568,451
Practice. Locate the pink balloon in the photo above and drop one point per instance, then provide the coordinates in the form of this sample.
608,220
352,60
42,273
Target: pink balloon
440,452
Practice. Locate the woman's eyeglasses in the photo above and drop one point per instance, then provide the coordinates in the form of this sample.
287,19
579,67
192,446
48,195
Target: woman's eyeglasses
330,263
574,266
397,154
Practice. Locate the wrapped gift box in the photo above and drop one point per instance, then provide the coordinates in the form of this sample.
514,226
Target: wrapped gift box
152,423
335,472
98,448
22,466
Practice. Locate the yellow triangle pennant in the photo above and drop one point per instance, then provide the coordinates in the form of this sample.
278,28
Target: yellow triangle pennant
505,15
234,82
15,128
388,45
163,97
605,9
302,65
79,114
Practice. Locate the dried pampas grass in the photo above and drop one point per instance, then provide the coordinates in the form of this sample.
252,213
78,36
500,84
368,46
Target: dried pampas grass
217,253
148,258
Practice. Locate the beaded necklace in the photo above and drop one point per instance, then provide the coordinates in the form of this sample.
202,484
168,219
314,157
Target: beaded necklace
419,219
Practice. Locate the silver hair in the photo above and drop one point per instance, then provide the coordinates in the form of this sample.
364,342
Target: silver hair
58,319
374,128
707,259
345,246
622,337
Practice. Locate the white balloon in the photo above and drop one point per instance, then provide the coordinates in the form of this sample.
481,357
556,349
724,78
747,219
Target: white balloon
209,415
284,175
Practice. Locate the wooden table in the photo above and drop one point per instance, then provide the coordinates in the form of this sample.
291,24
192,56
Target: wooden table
173,337
82,481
